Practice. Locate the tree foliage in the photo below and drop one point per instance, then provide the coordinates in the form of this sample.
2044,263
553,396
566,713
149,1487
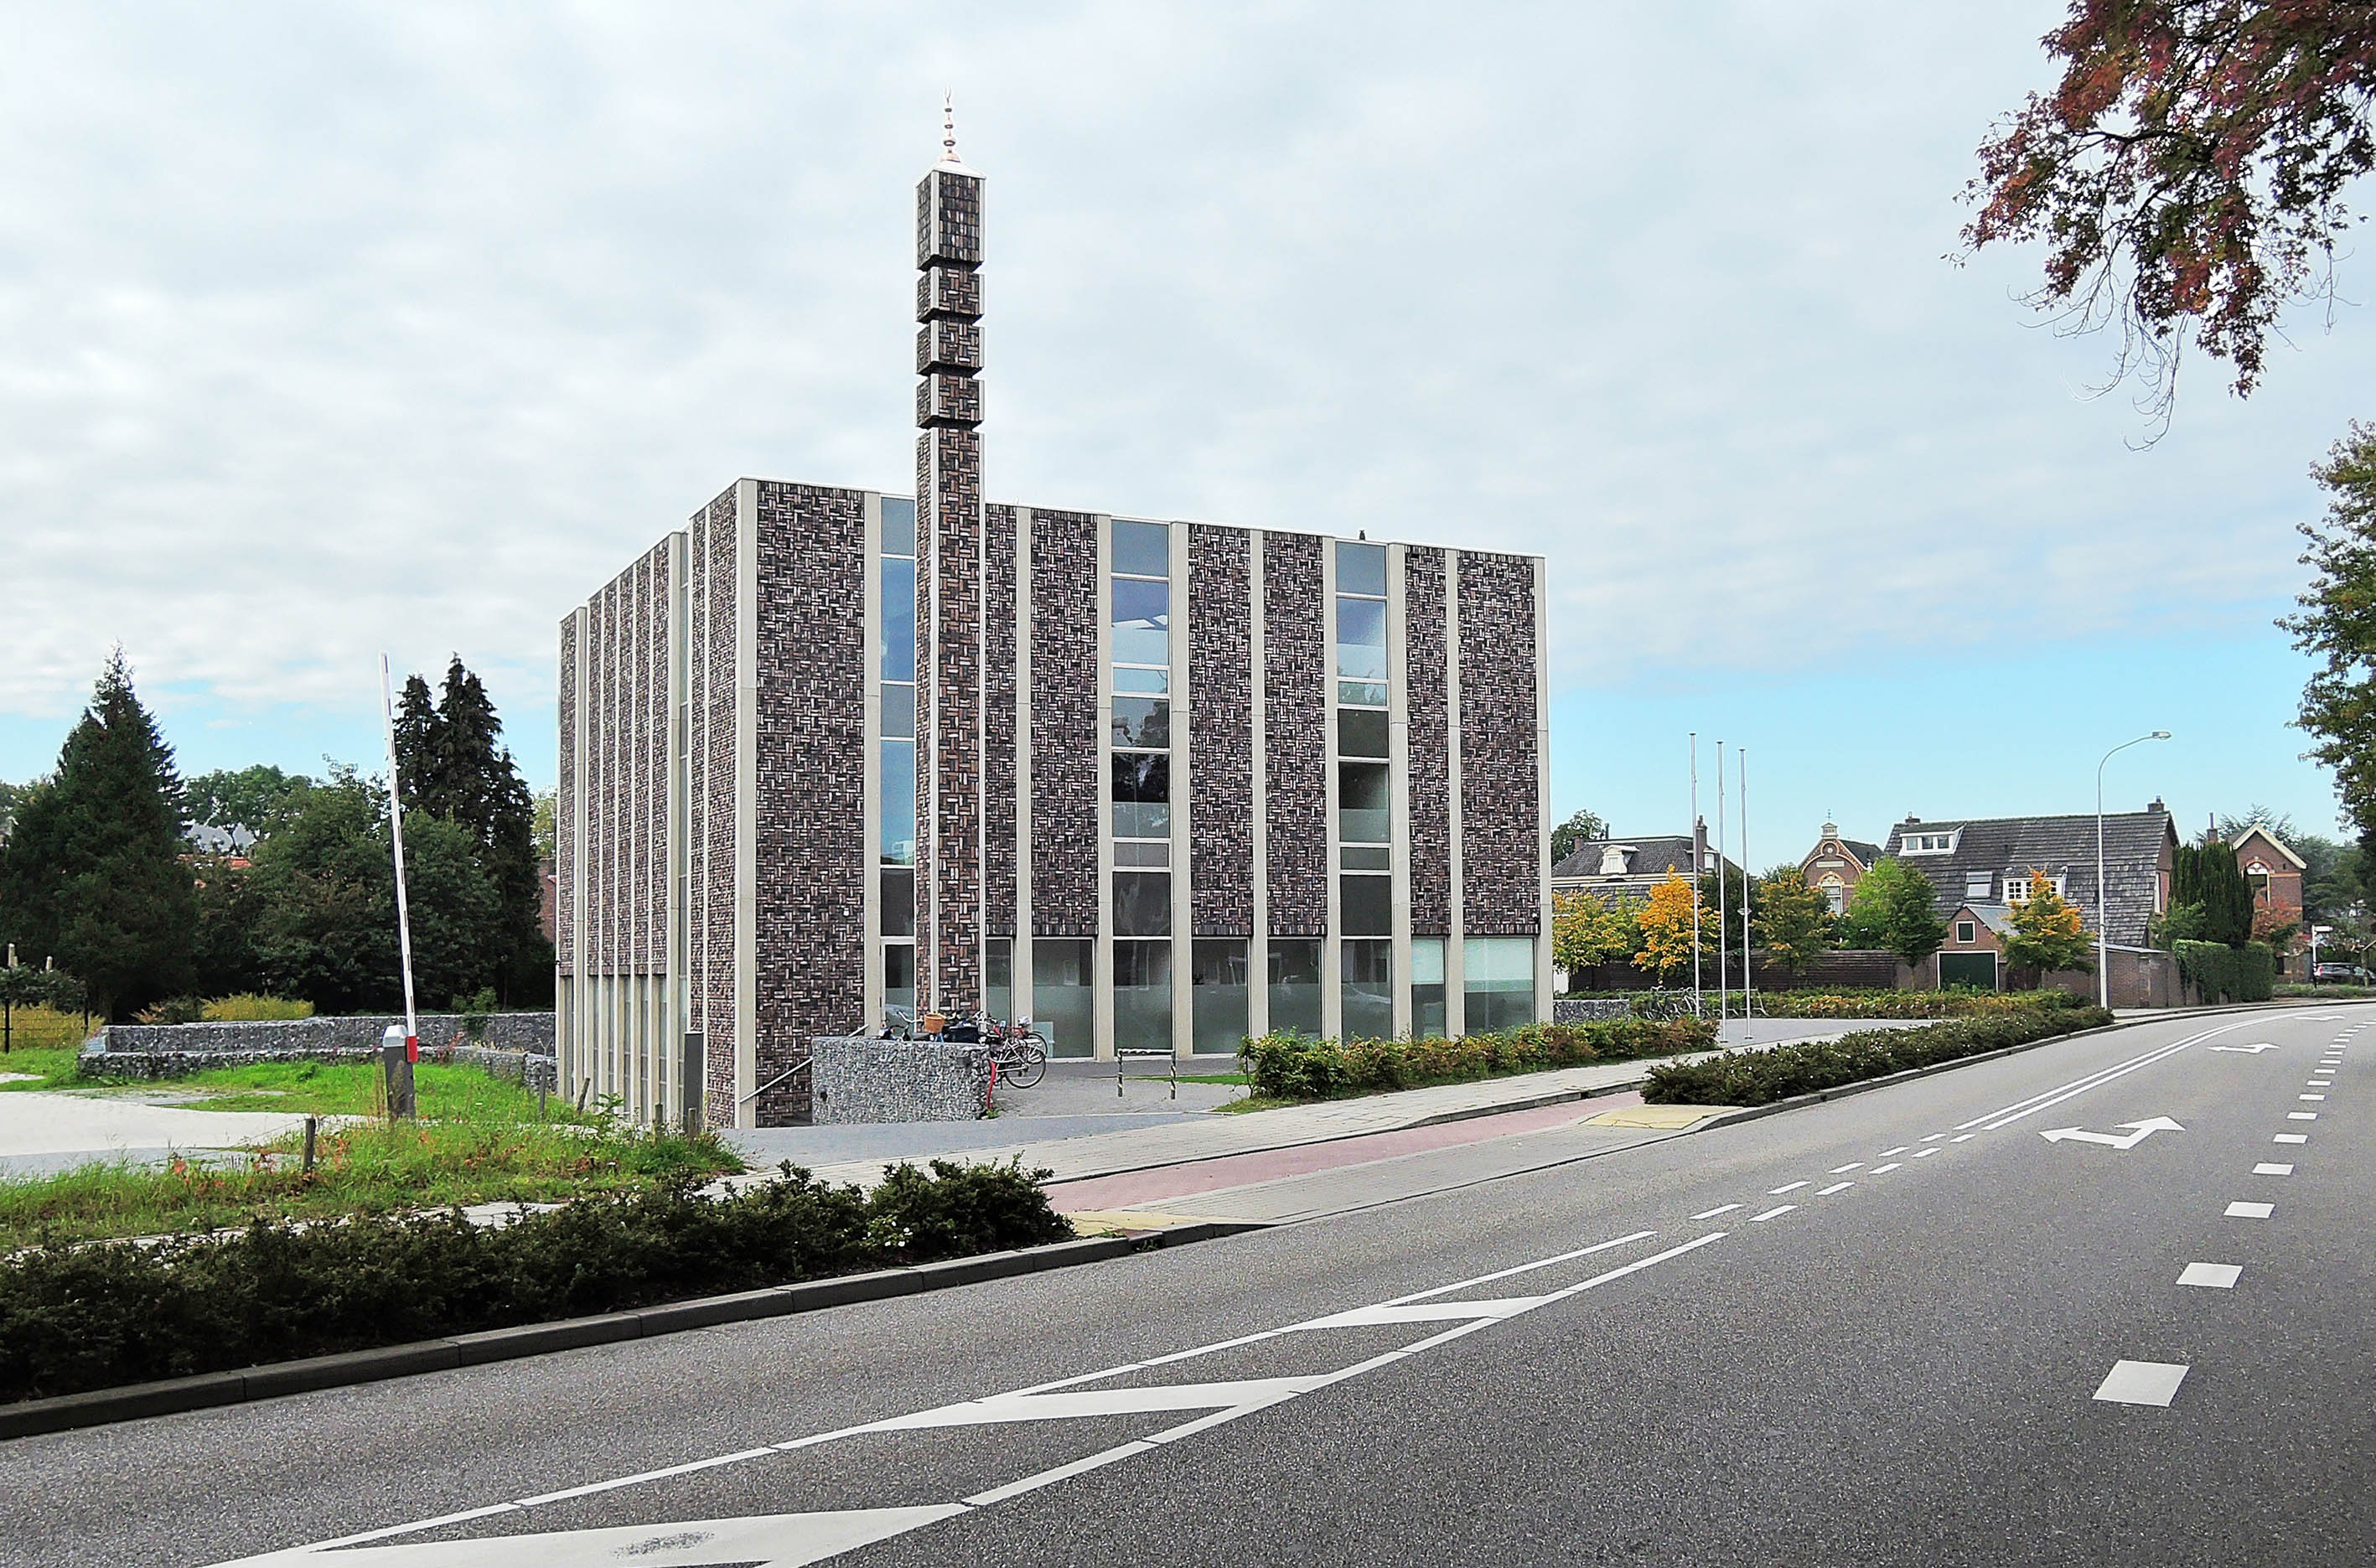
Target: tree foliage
2277,824
2336,626
92,874
1666,926
2048,933
1790,920
1891,910
1577,829
2205,879
259,799
2186,174
1587,929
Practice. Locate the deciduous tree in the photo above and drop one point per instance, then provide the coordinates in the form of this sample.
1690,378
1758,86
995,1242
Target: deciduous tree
1666,926
1584,825
2186,175
1587,929
1790,920
1893,908
2336,626
2048,933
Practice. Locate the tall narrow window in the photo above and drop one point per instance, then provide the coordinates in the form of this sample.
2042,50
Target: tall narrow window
896,688
1427,987
1218,994
1139,740
1364,795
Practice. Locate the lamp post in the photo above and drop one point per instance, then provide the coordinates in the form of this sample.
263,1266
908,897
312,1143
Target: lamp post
2103,937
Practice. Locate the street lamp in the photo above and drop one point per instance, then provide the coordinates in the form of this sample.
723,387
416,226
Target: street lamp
2103,907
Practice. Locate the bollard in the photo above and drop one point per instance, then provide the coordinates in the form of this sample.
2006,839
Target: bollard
309,1144
397,1061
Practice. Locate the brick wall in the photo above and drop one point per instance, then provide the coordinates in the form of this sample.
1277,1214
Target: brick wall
998,720
714,796
810,669
565,796
1220,740
1066,794
1295,722
1500,825
1428,808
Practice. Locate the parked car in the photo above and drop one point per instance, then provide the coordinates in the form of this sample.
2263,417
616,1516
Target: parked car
2349,973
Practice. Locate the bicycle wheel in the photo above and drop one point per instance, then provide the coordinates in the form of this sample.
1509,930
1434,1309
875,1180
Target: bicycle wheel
1028,1069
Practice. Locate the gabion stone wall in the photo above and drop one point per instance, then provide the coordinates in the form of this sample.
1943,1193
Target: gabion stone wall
859,1080
505,1031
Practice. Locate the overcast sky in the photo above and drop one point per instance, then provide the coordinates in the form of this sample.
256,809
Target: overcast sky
335,328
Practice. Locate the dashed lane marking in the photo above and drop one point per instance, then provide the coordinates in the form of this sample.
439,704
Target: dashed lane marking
2266,1168
1835,1187
2310,1096
1844,1169
1900,1149
2211,1276
2251,1211
1787,1187
1771,1213
1892,1165
2290,1138
1962,1137
1711,1213
1924,1153
2141,1383
2301,1115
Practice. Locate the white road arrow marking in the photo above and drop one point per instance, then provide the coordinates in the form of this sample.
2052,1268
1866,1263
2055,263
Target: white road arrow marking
2143,1129
2247,1049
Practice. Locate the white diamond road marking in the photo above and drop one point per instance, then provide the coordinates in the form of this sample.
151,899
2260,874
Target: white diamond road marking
2290,1138
794,1539
2267,1170
2141,1383
2211,1276
2251,1211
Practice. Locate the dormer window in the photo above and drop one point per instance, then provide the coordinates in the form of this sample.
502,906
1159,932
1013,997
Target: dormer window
1975,886
1927,844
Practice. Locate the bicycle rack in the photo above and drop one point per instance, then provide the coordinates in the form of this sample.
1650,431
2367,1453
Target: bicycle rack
1123,1054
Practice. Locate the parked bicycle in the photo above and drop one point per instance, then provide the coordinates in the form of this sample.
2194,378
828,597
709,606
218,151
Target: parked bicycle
1018,1049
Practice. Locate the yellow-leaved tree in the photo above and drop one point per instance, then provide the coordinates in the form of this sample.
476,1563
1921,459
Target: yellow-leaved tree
2047,932
1587,929
1666,926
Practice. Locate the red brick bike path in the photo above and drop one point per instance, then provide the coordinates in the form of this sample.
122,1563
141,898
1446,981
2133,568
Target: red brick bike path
1137,1187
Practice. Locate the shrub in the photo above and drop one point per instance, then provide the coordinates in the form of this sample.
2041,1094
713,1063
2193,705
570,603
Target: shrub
1761,1078
2237,974
96,1316
1294,1067
1910,1003
248,1007
172,1010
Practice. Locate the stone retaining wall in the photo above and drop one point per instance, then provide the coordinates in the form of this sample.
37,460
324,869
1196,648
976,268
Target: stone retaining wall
858,1079
1590,1010
513,1050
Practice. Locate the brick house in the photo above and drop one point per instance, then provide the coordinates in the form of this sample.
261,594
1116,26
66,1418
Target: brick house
2274,871
1629,869
1836,864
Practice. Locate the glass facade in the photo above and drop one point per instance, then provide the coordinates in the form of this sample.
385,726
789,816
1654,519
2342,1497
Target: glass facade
998,977
1064,994
896,688
1138,706
1368,998
1428,1016
1219,995
1295,984
1500,993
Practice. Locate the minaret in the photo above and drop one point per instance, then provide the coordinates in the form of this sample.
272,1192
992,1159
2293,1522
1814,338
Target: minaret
949,606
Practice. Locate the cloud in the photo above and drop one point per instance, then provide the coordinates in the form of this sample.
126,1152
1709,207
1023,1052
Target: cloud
335,330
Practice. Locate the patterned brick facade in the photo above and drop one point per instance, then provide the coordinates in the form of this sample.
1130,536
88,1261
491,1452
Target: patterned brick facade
1066,794
1501,826
625,783
811,675
998,721
565,825
949,587
713,753
1429,804
1295,734
1220,741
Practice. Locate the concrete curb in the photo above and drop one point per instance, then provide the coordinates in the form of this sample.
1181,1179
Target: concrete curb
1796,1102
103,1406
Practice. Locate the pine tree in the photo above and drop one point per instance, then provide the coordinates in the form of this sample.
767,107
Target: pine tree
92,874
420,746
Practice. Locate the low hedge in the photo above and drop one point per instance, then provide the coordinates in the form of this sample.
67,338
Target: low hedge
1294,1067
1910,1003
1761,1078
76,1317
2236,974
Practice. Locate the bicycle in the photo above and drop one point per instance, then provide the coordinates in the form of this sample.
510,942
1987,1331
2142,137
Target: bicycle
1020,1057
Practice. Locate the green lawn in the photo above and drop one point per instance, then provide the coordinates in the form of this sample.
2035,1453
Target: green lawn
318,1089
363,1168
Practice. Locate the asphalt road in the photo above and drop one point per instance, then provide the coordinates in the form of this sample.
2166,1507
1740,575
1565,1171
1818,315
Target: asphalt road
1879,1331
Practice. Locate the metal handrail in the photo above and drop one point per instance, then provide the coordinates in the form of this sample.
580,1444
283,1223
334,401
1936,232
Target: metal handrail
779,1078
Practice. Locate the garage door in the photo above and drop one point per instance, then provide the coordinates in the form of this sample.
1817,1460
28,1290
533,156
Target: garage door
1968,968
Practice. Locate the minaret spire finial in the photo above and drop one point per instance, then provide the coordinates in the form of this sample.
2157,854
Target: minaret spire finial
948,127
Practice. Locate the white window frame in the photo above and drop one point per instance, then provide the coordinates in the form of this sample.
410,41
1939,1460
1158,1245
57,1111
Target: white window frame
1929,843
2017,887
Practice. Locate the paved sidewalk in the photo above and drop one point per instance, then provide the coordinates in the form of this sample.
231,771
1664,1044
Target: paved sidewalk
40,1125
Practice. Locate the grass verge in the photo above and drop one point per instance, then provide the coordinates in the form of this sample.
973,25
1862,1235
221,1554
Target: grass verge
364,1169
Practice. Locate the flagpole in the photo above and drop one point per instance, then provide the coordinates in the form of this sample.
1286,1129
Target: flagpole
1748,957
396,825
1696,870
1723,924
